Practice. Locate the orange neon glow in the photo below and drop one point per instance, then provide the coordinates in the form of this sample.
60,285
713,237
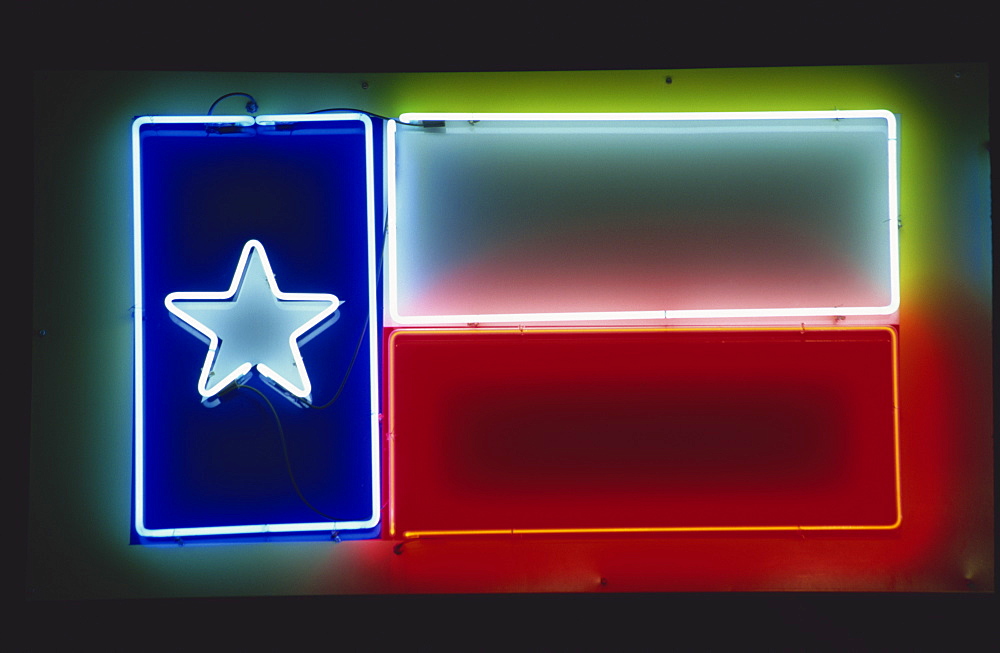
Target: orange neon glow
414,534
392,466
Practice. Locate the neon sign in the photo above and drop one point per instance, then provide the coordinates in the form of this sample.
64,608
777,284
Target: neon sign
305,185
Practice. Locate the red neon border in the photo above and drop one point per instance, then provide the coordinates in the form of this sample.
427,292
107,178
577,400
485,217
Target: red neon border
390,440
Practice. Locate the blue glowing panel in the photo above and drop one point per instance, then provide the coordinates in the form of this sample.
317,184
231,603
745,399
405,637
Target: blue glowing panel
256,394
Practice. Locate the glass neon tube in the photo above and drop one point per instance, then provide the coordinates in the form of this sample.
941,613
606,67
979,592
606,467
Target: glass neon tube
401,307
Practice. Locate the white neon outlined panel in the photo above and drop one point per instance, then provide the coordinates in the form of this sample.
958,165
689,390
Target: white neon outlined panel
501,218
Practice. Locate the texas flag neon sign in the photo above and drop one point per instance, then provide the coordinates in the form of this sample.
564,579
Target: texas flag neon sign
194,212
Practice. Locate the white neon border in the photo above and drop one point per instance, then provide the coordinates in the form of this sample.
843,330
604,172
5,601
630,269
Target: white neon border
823,311
247,121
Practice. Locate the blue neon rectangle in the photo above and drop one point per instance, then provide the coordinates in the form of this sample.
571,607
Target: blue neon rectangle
305,188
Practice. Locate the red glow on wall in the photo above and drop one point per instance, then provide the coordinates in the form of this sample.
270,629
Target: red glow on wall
641,430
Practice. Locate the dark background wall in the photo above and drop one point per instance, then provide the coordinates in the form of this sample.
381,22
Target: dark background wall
81,368
80,414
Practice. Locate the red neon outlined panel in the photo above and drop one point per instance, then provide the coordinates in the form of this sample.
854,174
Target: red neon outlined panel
641,430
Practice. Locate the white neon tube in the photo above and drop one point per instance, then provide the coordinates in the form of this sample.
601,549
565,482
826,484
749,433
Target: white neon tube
187,305
459,121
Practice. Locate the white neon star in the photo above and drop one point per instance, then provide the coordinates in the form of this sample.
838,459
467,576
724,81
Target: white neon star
259,326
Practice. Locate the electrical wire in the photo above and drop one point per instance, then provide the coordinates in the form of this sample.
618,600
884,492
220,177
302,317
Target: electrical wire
364,329
367,113
347,374
354,357
349,110
251,105
343,383
284,449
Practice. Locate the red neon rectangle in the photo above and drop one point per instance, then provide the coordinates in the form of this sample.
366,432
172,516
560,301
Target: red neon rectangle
618,430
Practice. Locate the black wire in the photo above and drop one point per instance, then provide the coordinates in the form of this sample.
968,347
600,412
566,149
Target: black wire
251,106
343,383
361,339
348,109
367,113
347,374
284,448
